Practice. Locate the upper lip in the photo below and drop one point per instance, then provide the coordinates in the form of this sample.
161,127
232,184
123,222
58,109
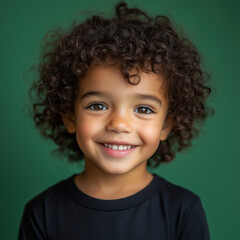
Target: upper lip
118,143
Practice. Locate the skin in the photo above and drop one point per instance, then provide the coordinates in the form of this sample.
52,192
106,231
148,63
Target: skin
110,110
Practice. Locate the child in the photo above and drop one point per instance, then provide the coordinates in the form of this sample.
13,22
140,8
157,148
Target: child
122,93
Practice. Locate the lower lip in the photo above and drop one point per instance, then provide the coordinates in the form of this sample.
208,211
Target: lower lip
117,153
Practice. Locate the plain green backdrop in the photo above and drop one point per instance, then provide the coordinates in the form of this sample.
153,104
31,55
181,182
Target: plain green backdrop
210,168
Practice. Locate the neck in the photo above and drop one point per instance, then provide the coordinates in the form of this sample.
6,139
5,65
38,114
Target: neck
99,184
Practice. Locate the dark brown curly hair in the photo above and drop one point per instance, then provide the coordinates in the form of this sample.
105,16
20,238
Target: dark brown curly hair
131,40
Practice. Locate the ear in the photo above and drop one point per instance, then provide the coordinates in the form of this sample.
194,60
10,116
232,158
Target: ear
69,121
167,127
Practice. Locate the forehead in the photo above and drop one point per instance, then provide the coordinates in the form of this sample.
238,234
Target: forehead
110,79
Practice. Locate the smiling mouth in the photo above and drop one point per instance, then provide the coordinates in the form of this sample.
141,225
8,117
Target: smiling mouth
118,147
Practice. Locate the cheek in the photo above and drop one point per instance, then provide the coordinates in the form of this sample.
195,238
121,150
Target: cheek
151,134
87,128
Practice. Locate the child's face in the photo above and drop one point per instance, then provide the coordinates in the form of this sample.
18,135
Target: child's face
112,116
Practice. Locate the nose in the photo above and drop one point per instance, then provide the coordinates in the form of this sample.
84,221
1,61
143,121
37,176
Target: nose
119,122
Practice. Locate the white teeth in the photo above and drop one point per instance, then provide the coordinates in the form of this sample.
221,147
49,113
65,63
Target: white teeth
120,147
117,147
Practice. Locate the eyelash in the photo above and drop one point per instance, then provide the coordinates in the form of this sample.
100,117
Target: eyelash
91,107
149,110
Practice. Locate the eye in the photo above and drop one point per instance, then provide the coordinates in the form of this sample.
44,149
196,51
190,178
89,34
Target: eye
97,107
143,110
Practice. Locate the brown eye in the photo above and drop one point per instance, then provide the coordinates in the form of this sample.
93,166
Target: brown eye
97,107
143,110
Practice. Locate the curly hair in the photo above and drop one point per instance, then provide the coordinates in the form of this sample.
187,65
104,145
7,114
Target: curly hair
131,39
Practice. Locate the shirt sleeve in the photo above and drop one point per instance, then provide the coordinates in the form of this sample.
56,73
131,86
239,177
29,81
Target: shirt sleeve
195,225
31,227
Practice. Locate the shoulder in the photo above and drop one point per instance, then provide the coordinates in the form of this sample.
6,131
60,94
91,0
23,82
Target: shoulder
183,210
172,189
176,197
42,209
49,196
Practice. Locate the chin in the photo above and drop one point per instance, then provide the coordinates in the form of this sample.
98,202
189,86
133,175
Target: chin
117,170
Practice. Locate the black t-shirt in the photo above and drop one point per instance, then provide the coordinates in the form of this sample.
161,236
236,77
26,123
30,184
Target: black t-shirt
160,211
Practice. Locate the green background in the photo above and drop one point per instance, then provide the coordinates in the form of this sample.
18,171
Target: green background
210,168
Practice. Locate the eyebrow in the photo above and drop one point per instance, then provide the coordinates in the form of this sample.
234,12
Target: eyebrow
140,96
88,94
150,97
